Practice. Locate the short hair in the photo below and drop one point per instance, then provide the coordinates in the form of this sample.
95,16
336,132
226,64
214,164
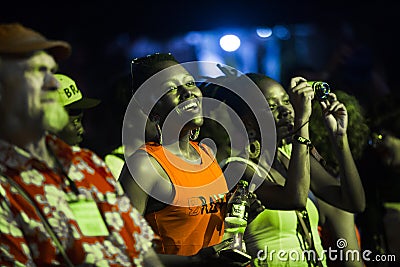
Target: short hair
143,68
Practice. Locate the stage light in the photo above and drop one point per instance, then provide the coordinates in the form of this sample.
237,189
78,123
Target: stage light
229,42
264,32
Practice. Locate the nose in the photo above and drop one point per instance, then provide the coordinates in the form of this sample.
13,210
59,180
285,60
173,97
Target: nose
79,128
51,83
284,112
185,92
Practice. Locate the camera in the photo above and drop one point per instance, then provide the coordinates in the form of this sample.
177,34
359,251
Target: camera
321,89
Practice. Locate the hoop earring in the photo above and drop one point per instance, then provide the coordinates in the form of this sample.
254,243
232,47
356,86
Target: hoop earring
194,134
156,120
159,133
254,149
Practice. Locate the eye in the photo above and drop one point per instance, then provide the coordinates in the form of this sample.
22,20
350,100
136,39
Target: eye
42,69
190,84
272,106
286,101
172,88
45,69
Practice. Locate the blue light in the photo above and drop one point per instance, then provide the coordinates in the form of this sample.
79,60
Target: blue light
193,38
264,32
282,32
229,42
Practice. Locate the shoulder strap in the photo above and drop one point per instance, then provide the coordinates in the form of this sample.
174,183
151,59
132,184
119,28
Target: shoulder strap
318,156
286,150
46,224
305,230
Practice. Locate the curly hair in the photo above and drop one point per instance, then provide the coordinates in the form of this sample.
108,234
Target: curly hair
358,130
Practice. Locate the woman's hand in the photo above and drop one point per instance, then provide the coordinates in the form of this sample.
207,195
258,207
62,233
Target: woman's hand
301,94
335,115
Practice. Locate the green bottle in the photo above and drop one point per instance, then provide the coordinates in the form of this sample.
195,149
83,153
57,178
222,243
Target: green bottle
237,214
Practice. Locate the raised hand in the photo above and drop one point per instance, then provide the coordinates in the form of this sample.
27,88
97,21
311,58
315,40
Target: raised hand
300,95
335,115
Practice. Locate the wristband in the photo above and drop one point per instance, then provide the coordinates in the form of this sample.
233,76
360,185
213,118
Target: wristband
313,150
302,140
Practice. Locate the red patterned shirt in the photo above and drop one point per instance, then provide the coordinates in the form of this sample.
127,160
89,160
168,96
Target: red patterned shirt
23,238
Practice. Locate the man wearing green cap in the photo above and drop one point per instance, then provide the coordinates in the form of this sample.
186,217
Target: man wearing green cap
75,104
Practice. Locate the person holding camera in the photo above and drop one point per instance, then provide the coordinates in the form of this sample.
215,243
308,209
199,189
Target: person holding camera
294,178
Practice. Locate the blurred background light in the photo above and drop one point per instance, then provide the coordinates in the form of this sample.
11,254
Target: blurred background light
264,32
229,42
281,32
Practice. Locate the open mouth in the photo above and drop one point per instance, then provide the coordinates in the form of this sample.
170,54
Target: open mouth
190,106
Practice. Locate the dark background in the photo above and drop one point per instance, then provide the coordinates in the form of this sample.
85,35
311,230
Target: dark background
94,27
99,30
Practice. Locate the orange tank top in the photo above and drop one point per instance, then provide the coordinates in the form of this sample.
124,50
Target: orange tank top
196,217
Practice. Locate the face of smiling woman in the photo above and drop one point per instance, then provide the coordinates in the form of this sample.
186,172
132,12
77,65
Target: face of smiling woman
181,100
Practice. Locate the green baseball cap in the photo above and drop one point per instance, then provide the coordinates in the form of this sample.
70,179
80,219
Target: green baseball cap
71,97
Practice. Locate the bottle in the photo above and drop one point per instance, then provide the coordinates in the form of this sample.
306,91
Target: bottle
237,214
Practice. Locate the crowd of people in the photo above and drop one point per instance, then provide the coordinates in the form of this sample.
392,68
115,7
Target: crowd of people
160,198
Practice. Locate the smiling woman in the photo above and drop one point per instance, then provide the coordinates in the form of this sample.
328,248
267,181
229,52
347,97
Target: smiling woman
173,180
